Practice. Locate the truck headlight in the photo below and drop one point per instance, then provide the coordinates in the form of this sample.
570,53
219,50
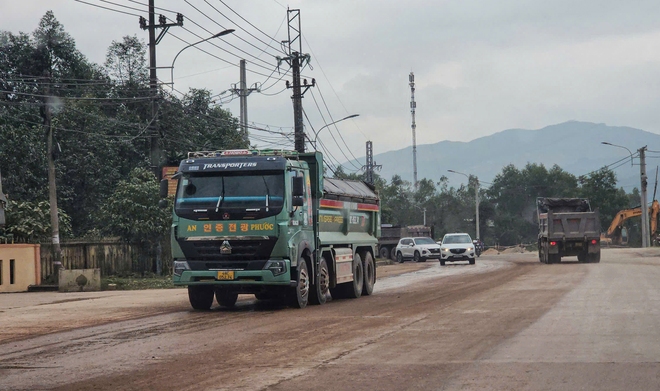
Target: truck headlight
277,267
179,267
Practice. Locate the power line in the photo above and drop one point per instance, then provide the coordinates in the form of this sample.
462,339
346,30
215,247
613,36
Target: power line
107,8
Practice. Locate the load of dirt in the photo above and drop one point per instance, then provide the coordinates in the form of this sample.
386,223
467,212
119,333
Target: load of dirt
513,250
491,251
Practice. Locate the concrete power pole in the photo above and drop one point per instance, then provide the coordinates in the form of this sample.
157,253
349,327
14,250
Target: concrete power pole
155,150
52,186
242,91
370,164
413,106
296,60
645,207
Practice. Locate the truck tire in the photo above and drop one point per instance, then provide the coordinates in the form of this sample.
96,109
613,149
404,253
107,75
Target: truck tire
321,285
200,296
300,294
595,258
354,288
417,257
226,299
369,268
384,252
583,257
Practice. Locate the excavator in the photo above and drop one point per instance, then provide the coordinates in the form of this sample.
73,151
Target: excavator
614,232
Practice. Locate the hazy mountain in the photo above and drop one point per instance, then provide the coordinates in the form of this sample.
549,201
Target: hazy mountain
574,146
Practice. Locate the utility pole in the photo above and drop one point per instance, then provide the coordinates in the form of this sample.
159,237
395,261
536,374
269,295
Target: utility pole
413,106
155,151
52,187
370,164
645,207
296,60
242,91
476,198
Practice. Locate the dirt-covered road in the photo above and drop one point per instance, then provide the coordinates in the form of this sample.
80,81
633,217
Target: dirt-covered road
508,322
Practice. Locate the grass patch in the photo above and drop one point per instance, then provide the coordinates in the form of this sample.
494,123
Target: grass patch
128,283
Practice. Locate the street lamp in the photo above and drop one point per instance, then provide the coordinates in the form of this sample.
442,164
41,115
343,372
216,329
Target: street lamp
316,134
642,193
620,146
220,34
476,199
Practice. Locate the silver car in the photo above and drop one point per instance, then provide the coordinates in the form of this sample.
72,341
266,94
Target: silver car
457,247
418,249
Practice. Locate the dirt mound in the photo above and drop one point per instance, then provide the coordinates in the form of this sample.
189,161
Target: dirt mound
491,251
513,250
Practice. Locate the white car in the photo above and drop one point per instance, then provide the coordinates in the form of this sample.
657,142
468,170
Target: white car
418,249
457,247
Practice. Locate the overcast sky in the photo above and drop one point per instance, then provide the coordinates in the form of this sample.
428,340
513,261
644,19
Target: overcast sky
481,66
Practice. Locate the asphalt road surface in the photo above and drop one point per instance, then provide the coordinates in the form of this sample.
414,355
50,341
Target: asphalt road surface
506,323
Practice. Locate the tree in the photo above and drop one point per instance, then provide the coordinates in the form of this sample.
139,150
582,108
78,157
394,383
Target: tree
600,188
132,211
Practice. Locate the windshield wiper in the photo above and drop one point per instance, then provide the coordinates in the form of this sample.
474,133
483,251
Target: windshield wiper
267,191
222,196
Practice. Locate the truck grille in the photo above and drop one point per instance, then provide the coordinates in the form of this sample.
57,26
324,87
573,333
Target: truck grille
208,255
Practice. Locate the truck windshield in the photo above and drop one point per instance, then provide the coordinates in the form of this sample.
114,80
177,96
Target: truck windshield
211,195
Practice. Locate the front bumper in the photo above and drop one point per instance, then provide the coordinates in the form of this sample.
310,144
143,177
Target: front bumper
240,277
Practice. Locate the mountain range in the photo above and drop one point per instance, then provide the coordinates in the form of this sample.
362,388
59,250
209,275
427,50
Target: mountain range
574,146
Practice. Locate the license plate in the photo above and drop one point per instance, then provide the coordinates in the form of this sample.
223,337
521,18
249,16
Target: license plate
225,275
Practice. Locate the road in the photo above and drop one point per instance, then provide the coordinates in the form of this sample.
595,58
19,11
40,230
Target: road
508,322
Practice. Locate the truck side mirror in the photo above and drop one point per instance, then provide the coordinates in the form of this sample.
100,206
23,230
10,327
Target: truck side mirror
298,186
298,191
164,184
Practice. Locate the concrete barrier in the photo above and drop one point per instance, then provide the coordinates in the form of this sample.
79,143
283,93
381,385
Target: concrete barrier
20,267
80,280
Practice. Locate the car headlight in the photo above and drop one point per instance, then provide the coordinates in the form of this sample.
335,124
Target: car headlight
470,248
445,249
179,267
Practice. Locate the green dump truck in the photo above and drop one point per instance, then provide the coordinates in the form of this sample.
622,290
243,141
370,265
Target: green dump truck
268,223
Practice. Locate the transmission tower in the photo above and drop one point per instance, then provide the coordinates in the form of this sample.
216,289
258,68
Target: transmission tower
413,106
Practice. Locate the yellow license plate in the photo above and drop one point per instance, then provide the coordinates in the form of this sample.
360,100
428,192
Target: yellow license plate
225,275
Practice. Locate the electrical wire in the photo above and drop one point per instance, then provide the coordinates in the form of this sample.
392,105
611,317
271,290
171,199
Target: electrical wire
107,8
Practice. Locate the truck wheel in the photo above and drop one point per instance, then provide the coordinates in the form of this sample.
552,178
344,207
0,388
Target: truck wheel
595,258
226,299
399,257
200,296
300,294
384,253
583,257
417,257
369,268
320,288
354,288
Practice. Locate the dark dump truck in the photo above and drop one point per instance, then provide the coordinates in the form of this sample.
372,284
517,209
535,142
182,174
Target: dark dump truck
391,234
567,227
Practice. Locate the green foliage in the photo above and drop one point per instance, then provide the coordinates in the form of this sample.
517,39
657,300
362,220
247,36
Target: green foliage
132,211
29,222
600,188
